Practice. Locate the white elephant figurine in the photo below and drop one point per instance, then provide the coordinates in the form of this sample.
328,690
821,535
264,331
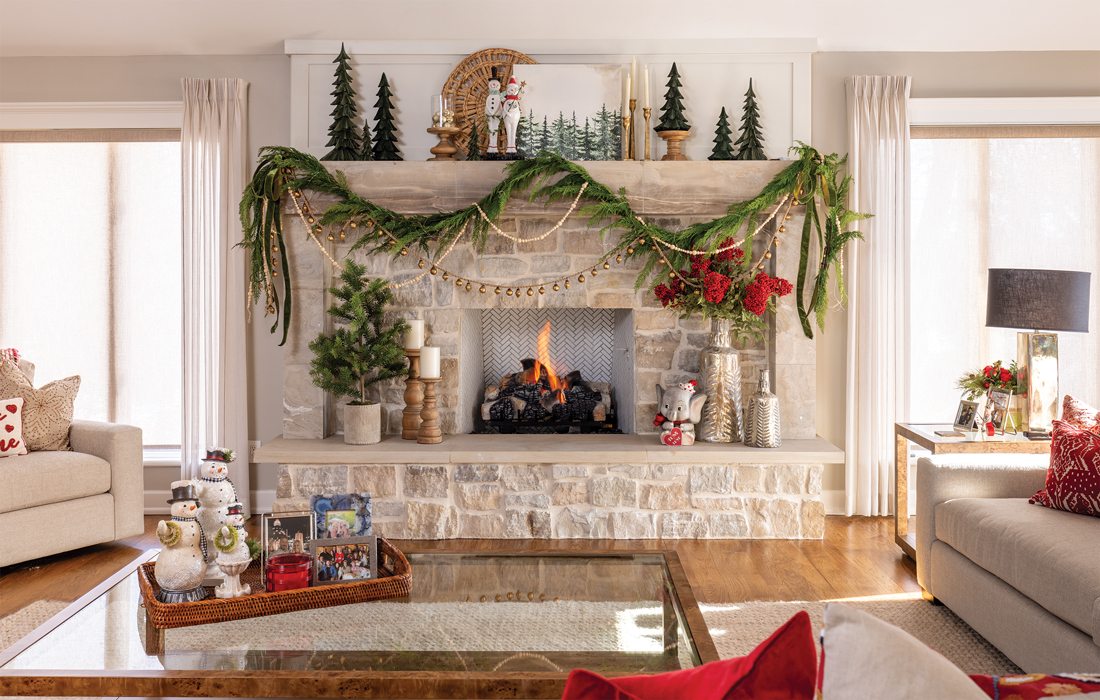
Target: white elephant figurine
679,409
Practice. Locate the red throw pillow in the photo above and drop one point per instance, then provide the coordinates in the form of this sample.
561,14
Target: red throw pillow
1032,686
1079,414
782,667
1073,479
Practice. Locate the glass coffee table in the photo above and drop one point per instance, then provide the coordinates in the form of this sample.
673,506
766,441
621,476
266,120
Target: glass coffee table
476,624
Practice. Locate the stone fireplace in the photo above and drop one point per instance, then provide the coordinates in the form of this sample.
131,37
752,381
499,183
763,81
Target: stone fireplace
580,485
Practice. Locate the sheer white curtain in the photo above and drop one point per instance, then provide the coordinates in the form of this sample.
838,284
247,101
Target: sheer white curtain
215,397
878,142
997,201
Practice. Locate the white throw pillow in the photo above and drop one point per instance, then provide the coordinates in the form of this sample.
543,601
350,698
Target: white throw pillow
11,428
868,658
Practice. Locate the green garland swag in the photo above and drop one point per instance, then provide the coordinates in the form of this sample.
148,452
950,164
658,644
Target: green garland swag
813,180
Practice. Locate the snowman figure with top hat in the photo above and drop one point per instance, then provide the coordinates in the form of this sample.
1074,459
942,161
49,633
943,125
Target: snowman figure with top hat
513,110
216,492
233,555
494,106
181,565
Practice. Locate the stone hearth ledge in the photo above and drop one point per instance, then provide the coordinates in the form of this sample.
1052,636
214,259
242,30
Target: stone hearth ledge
542,449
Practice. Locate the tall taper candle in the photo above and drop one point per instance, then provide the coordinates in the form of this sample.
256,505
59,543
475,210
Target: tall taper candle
645,85
414,334
429,362
633,72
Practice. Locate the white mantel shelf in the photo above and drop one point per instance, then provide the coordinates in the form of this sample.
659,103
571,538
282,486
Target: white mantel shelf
542,449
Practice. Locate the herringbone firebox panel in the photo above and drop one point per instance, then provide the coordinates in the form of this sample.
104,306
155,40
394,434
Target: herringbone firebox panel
580,339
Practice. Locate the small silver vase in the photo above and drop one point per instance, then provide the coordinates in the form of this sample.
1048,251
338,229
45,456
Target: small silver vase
762,416
720,366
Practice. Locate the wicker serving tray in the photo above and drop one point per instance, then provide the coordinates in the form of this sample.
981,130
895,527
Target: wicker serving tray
394,581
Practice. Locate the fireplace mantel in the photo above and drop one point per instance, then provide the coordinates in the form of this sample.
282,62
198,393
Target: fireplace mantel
546,449
658,188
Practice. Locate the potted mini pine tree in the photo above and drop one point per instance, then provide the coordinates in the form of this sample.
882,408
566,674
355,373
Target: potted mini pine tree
362,351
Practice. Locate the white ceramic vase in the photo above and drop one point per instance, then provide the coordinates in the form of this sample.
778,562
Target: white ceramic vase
362,424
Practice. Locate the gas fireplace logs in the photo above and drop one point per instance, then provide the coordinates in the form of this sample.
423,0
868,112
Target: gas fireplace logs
534,397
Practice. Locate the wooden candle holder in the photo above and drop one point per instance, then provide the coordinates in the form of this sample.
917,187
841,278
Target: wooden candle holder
672,138
429,433
445,149
414,397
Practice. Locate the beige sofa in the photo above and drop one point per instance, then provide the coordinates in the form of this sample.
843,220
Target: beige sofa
1027,578
53,502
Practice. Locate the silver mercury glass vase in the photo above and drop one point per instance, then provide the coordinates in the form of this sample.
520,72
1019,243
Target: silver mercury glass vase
762,416
720,366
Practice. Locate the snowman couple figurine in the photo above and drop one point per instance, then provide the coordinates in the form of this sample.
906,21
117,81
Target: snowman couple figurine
207,524
506,107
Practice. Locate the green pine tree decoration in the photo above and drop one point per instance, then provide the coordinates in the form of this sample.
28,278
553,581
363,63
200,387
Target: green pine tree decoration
343,133
723,147
672,113
362,350
751,140
365,145
473,148
385,137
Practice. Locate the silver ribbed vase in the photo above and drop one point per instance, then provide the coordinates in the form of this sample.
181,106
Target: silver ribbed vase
762,416
720,367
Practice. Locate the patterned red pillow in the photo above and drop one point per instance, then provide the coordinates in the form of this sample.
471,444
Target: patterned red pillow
1033,686
1080,414
1073,479
11,428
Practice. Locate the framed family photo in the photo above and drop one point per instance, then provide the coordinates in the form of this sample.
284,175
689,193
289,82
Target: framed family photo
999,401
344,560
966,417
286,533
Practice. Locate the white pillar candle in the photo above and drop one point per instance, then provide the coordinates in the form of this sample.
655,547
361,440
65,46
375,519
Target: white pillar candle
429,362
646,87
414,334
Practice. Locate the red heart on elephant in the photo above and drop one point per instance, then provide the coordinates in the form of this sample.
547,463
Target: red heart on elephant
12,408
9,428
673,438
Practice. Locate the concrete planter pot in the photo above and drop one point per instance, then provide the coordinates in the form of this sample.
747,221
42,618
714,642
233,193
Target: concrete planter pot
362,424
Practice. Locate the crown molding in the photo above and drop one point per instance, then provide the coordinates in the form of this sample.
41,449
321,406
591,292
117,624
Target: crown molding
91,115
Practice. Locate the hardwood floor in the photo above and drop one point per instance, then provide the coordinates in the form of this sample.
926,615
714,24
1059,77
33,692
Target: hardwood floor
858,557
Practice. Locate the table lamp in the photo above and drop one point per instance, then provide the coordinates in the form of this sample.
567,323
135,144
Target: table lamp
1040,302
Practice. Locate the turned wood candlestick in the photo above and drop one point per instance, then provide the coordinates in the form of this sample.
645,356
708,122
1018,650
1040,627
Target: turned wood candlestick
429,433
414,397
445,149
672,138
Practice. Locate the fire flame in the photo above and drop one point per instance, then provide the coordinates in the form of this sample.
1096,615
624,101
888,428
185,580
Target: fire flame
543,361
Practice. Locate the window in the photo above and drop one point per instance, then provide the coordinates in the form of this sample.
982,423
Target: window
90,269
996,197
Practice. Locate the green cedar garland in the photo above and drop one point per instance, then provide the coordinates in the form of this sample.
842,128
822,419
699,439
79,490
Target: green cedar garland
385,138
362,350
723,148
343,134
751,140
672,113
814,180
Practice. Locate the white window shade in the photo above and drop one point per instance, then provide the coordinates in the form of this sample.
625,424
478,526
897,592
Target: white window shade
90,271
979,203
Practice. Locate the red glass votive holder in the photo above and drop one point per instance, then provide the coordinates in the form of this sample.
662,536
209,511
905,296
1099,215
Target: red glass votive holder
287,572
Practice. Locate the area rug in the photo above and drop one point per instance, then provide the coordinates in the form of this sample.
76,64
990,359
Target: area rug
738,627
23,621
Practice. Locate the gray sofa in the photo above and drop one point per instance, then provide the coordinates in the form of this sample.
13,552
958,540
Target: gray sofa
1027,578
53,502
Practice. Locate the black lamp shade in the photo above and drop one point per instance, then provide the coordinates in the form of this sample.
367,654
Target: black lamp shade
1038,300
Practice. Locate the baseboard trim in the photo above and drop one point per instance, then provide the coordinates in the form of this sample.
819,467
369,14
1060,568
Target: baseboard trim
834,501
156,502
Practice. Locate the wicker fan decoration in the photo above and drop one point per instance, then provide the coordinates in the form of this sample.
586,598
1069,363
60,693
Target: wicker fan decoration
468,84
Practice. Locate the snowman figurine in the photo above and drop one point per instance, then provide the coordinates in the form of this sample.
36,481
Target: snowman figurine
512,112
215,492
233,556
494,105
181,565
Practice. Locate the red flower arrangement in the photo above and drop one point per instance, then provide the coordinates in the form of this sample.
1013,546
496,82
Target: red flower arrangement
724,284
